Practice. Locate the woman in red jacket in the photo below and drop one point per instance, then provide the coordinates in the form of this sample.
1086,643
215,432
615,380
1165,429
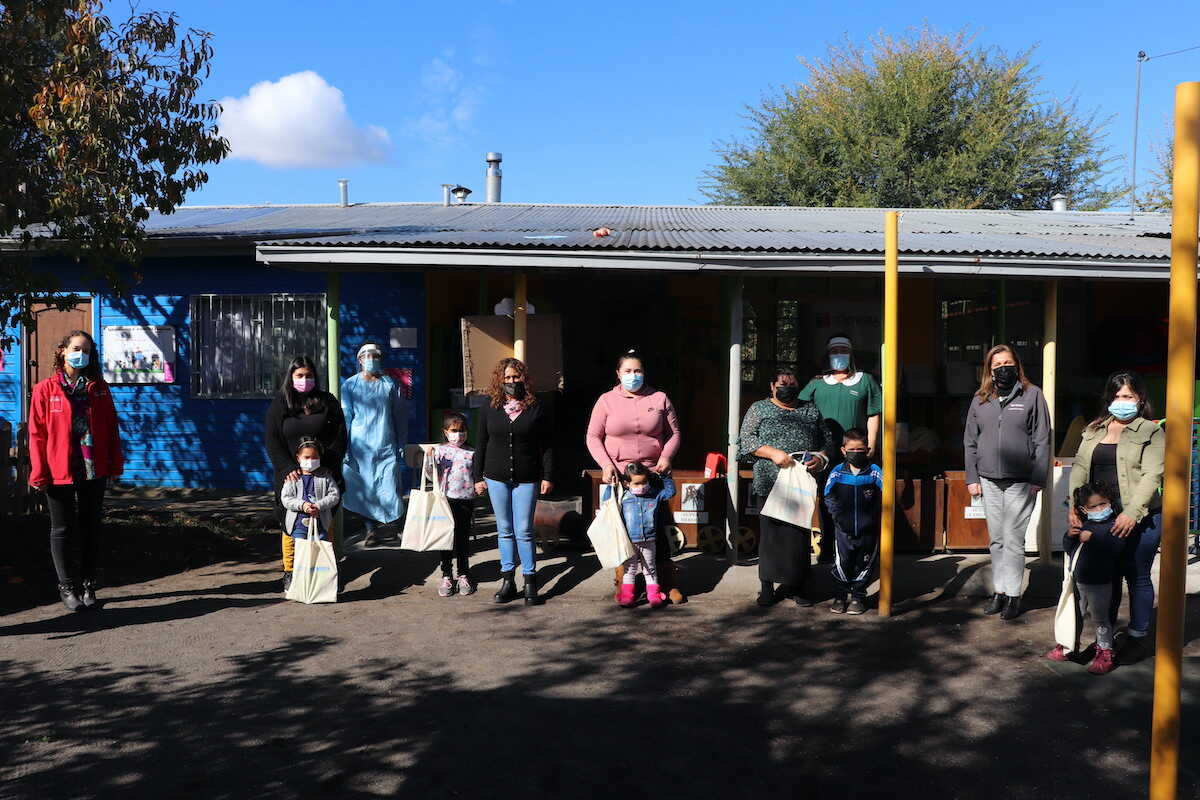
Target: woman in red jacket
74,448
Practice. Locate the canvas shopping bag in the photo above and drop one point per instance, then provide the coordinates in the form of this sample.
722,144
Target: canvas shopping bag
609,538
428,523
793,498
1067,623
314,572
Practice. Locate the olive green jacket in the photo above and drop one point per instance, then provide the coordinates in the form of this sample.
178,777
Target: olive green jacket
1139,464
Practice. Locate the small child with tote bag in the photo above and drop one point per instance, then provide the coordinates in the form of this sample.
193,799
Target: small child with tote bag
1090,553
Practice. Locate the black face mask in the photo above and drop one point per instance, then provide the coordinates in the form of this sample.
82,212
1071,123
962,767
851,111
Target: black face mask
1005,378
787,394
857,458
515,390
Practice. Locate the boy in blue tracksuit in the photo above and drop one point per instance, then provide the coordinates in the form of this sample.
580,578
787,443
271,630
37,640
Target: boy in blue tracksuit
853,493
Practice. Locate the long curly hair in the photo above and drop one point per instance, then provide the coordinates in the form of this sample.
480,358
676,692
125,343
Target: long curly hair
496,390
987,387
92,370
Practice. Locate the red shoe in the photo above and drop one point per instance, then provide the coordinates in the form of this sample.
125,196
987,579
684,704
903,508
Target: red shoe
1059,653
625,597
1103,663
654,596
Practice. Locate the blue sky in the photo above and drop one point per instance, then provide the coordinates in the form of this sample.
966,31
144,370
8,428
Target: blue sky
618,102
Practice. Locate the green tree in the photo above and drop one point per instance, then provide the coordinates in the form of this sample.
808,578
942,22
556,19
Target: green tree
927,120
1157,196
99,124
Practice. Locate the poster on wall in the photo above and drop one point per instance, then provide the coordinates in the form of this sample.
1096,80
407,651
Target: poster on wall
138,353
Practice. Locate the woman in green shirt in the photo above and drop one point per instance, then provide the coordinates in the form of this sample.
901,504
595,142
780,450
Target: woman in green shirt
850,398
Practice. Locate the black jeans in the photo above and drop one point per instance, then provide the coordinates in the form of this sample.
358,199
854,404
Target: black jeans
75,510
463,511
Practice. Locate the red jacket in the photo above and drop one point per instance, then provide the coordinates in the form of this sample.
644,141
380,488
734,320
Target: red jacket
50,433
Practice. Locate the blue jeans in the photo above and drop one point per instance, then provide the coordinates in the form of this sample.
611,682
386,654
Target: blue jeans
1133,567
514,504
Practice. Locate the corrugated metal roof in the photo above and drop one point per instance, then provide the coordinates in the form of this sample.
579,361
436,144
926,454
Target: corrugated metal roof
680,228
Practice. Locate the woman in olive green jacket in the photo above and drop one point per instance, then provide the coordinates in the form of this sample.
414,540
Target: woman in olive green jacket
1124,449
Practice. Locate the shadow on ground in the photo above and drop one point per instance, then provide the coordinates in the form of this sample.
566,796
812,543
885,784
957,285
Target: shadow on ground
733,705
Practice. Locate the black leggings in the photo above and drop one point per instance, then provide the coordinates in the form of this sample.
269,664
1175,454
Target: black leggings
463,511
75,510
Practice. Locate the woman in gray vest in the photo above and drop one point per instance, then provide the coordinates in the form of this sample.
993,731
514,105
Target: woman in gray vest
1007,444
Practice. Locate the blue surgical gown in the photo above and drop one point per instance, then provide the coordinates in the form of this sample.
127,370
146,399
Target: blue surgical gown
377,421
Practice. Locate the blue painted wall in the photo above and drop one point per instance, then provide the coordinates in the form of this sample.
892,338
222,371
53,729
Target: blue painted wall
174,439
10,374
372,304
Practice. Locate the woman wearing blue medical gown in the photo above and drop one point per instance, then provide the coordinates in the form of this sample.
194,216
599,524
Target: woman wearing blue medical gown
377,421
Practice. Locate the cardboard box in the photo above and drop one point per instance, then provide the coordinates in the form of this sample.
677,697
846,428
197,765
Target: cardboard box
487,339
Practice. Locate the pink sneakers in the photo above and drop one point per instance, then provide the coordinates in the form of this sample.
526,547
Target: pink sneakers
625,595
1059,653
1103,663
655,597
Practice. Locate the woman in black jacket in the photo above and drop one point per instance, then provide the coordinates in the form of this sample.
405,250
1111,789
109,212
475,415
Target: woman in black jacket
302,410
513,461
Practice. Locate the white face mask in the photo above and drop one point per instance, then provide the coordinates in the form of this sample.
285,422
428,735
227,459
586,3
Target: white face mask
456,437
310,464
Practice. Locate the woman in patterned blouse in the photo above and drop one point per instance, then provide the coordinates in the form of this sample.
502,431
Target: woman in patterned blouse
773,429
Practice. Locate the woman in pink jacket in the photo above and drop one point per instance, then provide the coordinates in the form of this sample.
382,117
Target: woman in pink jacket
635,422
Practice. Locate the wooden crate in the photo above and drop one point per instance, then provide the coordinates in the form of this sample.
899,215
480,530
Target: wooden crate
962,533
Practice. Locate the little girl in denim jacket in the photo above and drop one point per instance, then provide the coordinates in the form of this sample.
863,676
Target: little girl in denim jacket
641,508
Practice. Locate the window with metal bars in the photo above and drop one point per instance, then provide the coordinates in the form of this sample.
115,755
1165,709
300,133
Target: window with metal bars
242,343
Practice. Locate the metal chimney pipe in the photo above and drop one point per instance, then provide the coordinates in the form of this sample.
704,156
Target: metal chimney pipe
446,187
492,192
1058,202
344,190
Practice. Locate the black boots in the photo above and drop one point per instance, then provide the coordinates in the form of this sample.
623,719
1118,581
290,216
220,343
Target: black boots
508,589
766,594
66,593
1012,608
995,605
531,595
87,595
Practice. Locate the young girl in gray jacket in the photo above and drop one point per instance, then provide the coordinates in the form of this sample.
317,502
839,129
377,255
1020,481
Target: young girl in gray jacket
311,493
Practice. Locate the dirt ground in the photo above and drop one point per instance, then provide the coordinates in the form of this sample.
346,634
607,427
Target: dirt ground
198,680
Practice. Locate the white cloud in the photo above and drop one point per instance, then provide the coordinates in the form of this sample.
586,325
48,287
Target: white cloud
449,103
299,121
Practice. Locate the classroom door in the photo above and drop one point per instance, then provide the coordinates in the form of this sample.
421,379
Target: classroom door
52,326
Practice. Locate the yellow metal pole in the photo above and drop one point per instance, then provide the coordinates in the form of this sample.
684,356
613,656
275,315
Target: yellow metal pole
1181,369
891,380
520,318
1049,381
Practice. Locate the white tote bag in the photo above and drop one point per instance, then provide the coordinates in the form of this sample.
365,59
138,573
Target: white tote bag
1066,617
314,571
428,523
793,498
609,538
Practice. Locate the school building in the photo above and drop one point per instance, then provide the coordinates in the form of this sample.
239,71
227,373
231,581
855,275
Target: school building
713,296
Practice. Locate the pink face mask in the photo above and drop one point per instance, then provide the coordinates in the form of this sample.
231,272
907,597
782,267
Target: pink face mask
303,385
640,491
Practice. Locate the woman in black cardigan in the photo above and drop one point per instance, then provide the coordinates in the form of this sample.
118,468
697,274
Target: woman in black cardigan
302,410
513,461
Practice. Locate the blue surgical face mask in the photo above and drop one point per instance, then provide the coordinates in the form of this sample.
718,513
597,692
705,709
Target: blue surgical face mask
1100,515
78,359
839,361
373,365
632,381
1123,409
